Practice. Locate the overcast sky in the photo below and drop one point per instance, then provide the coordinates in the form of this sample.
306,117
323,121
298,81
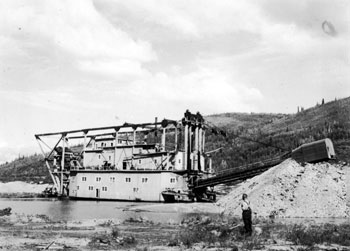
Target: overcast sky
78,64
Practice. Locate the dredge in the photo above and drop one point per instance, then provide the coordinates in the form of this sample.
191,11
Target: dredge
130,161
161,161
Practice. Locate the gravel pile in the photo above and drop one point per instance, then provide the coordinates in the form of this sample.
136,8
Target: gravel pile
21,187
293,190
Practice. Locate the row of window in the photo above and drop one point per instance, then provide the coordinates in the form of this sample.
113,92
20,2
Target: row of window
112,179
104,144
91,188
140,160
109,157
98,179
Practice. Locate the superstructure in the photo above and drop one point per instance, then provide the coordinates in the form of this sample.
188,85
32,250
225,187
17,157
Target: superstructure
157,161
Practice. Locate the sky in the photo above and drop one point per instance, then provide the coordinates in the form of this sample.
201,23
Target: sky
85,63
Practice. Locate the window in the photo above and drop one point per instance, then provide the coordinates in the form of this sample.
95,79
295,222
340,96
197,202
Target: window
112,179
140,151
77,187
144,180
179,160
155,161
136,189
99,156
104,189
91,188
112,144
140,161
128,179
172,180
109,157
98,179
83,178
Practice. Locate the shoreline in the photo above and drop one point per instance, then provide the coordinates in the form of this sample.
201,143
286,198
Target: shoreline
36,232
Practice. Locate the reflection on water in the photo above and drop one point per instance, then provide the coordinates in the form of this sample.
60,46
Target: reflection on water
79,209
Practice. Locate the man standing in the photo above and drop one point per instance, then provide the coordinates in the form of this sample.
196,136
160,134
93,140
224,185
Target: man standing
246,214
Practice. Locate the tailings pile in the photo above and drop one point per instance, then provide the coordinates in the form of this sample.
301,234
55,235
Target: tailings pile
293,190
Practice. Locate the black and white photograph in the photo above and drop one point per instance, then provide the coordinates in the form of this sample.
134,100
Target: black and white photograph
178,125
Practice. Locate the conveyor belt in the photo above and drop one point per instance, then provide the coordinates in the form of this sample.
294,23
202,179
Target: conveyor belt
240,173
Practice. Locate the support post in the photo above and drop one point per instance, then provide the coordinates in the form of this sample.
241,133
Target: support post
155,130
163,139
185,145
176,147
133,146
196,138
200,139
200,133
210,166
195,147
189,151
84,149
134,137
93,142
62,163
203,142
115,149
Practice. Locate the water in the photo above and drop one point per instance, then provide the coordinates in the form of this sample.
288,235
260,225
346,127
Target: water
69,210
75,210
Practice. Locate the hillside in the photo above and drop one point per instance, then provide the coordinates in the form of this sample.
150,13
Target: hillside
27,169
283,131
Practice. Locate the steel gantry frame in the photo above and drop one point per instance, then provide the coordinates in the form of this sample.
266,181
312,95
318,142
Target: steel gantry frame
165,125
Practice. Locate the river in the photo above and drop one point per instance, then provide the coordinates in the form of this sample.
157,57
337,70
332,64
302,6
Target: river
76,210
68,210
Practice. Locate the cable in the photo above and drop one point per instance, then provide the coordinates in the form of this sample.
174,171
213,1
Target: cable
225,133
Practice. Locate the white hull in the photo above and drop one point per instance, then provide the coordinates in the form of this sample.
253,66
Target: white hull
124,185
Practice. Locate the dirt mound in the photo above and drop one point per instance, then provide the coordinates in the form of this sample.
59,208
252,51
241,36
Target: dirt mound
21,187
293,190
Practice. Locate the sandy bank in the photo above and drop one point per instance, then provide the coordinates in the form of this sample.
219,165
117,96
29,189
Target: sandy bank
21,187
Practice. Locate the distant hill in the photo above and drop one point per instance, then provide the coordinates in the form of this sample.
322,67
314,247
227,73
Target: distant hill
27,169
239,144
284,131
